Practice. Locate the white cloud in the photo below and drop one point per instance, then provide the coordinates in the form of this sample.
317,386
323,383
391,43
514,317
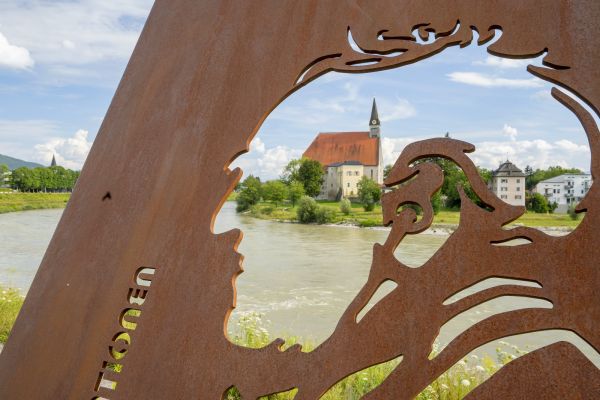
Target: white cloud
542,95
70,153
74,33
511,132
14,57
268,163
399,109
537,153
483,80
392,147
499,62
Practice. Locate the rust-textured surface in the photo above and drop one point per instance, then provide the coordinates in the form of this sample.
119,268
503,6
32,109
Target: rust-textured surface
203,77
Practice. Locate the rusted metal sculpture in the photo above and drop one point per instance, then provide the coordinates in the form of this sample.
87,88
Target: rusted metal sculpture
202,79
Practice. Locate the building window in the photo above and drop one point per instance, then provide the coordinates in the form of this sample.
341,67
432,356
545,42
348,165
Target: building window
503,180
348,184
371,174
349,173
518,197
503,196
332,185
518,181
518,188
356,173
504,189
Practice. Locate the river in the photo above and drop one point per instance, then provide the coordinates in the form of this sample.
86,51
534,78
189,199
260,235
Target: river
300,278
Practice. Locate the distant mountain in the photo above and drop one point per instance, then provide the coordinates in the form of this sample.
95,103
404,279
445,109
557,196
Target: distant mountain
14,163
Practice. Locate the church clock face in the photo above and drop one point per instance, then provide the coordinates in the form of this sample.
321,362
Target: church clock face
374,122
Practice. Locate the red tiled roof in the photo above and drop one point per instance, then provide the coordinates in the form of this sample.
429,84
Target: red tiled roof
336,147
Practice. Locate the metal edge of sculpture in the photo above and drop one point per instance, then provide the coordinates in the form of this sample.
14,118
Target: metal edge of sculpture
201,81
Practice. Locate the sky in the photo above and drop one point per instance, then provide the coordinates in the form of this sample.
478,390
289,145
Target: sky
61,61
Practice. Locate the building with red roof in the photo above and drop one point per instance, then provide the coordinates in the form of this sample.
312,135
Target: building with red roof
347,157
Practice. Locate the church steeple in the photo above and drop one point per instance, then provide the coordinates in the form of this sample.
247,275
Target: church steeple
374,123
53,163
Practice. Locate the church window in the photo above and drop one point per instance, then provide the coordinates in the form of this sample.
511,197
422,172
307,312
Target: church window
356,173
348,184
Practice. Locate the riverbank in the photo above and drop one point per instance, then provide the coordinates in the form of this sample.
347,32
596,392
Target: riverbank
444,221
11,202
249,332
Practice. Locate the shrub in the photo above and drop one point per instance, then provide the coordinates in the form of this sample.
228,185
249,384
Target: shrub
267,210
345,206
369,193
324,215
574,216
368,202
307,210
248,197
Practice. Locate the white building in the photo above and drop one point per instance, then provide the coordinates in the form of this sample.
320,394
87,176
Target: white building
508,183
347,157
565,190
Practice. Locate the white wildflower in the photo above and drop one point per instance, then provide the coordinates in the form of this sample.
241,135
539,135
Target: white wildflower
444,386
480,368
465,383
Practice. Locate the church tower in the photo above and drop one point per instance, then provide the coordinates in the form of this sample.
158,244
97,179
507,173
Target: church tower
374,123
53,163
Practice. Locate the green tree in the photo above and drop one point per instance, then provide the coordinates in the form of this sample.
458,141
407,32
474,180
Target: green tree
369,193
310,174
275,191
537,203
295,192
250,194
290,172
4,168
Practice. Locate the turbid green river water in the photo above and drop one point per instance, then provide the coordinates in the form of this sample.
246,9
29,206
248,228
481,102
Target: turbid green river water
299,277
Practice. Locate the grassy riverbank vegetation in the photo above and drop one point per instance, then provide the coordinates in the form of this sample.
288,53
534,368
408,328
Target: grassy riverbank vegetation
356,215
291,198
11,301
454,384
19,201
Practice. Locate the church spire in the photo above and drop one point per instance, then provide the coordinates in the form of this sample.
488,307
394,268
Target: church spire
374,123
53,163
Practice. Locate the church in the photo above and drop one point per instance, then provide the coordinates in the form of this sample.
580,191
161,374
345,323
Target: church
347,157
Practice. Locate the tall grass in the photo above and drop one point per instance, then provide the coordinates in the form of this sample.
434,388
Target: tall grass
11,301
454,384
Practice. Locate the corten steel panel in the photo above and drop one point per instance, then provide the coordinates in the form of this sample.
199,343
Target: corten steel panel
202,78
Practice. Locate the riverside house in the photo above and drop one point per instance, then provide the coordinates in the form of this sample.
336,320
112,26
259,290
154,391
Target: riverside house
508,183
565,190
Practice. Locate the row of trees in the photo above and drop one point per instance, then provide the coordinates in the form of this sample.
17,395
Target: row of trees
42,179
305,177
301,177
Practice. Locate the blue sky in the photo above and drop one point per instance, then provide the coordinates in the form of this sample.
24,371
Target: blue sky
60,63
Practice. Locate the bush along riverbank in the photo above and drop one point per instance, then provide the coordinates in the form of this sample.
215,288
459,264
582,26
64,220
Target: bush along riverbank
18,201
346,213
454,384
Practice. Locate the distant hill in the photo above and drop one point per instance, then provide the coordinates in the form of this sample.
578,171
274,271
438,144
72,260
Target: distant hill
14,163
